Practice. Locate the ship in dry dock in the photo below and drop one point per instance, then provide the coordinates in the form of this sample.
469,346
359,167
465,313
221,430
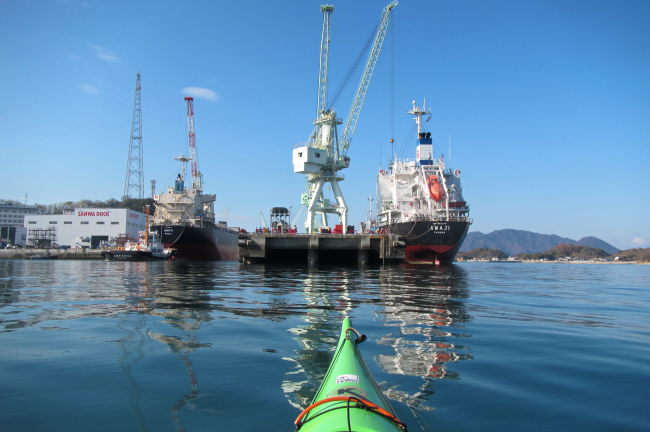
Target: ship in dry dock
184,216
421,200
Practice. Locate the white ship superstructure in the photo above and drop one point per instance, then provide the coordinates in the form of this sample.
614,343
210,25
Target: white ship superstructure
422,200
184,206
421,188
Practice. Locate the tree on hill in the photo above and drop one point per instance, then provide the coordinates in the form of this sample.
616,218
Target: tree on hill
580,252
638,254
483,254
567,251
10,202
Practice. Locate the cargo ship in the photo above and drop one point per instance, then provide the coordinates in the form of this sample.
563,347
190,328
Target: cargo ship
184,217
421,200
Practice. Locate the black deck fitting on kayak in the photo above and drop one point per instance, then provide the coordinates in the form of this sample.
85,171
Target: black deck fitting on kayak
360,338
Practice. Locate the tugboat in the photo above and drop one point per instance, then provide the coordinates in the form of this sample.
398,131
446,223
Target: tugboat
147,248
185,218
421,201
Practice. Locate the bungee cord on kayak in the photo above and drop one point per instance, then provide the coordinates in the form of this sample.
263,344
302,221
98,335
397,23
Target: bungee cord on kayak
360,403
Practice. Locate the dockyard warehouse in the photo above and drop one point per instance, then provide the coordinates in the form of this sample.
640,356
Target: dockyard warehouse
83,227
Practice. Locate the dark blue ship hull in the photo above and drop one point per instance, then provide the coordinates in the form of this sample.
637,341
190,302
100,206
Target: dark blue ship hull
207,243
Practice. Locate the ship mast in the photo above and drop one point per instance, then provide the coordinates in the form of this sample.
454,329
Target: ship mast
183,160
418,113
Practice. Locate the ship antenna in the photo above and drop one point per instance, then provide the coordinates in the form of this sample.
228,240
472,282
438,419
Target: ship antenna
418,113
183,160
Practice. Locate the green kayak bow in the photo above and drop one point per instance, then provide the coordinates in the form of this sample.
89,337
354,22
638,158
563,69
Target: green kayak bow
348,398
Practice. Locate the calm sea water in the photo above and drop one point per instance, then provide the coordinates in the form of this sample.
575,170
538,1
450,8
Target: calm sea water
171,346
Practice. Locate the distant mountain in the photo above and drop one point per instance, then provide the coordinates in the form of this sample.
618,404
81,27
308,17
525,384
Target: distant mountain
597,243
515,242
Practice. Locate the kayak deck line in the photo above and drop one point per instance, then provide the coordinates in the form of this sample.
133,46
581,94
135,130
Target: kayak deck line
348,385
360,403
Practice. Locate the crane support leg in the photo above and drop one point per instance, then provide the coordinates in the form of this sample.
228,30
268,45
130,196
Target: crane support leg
342,206
311,209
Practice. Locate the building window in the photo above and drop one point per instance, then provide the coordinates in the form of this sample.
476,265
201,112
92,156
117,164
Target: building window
53,222
100,223
67,222
32,222
115,223
84,222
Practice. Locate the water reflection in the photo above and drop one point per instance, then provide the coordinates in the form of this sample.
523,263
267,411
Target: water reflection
182,300
132,353
9,293
36,291
423,310
417,314
427,315
327,299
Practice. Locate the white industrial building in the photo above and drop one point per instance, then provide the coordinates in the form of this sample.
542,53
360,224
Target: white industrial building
83,227
12,219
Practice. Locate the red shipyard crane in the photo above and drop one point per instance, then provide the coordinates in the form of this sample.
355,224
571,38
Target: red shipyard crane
325,153
197,177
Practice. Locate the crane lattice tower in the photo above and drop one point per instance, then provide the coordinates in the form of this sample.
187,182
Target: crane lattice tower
134,182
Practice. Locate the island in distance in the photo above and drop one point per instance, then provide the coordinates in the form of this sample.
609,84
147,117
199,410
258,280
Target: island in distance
509,244
515,242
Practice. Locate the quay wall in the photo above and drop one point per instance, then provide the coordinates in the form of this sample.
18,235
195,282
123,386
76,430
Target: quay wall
312,249
72,254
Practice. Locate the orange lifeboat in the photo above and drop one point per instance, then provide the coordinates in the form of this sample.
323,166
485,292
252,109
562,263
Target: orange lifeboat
436,192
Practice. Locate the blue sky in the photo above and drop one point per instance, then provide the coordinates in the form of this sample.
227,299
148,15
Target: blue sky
546,104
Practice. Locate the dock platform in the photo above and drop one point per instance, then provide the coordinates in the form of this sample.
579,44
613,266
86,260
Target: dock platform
314,249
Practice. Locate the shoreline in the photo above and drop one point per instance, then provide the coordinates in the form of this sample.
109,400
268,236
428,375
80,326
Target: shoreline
66,254
555,262
96,254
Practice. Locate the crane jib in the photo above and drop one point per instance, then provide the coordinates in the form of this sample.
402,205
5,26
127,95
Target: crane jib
357,103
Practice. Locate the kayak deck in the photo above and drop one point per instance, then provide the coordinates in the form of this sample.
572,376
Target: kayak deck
348,398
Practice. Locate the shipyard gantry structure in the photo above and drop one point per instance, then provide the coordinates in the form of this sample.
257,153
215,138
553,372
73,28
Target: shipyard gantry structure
326,152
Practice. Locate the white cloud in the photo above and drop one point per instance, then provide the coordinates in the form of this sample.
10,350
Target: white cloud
89,89
103,54
639,241
200,93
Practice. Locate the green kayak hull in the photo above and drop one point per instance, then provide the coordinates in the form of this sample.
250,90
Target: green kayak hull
348,398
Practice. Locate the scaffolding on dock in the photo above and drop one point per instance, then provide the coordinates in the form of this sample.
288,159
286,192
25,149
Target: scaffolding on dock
42,238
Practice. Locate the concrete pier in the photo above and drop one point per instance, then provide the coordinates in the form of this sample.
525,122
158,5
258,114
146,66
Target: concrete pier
69,254
315,249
